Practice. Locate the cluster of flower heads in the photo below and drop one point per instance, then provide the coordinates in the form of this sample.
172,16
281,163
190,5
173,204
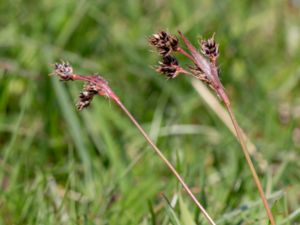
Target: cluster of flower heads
86,95
64,70
94,85
169,66
204,62
164,43
210,49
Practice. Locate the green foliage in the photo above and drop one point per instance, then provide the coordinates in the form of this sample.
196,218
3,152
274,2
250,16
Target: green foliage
59,166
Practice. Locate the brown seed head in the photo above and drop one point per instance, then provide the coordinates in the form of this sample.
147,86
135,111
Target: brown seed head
164,43
86,95
169,67
210,48
63,70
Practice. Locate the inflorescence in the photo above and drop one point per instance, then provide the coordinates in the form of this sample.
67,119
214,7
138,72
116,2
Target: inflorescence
204,62
94,84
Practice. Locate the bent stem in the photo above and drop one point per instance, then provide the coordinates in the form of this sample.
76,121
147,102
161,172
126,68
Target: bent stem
98,85
249,162
166,161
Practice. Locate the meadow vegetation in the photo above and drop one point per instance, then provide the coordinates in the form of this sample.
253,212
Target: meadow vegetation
61,166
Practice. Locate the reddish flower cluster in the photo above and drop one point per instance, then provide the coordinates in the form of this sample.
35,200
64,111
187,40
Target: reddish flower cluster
93,85
164,43
204,65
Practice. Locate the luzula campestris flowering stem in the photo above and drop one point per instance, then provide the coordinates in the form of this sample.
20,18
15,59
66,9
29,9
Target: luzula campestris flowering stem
205,69
97,85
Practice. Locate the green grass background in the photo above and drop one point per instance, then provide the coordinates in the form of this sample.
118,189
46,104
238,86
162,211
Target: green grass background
59,166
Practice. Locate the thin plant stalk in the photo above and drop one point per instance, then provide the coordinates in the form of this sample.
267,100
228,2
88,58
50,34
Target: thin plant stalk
165,160
96,85
247,156
249,162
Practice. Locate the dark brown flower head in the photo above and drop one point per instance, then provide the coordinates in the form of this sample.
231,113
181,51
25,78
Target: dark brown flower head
169,67
63,70
164,43
86,95
210,48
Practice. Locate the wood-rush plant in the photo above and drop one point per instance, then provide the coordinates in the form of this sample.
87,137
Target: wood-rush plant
204,68
96,85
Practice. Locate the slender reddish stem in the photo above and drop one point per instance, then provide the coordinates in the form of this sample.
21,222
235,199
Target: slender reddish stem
249,162
183,52
165,160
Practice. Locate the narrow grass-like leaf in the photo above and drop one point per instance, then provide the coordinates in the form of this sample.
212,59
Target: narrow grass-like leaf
186,217
172,214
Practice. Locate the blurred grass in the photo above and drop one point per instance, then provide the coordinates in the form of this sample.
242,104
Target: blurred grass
59,166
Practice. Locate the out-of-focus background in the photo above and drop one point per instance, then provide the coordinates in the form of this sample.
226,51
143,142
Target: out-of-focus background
59,166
